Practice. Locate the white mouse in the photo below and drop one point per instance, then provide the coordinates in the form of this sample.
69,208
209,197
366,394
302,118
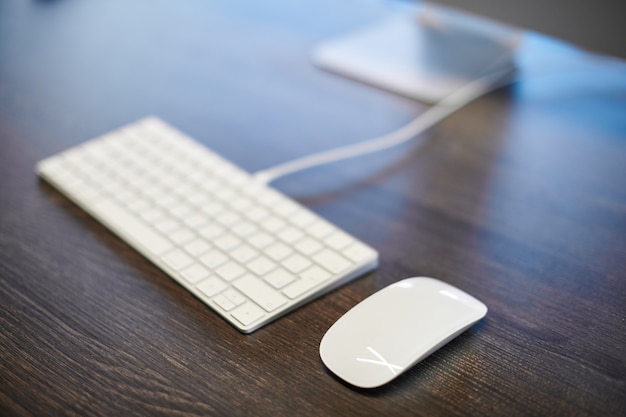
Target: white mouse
395,328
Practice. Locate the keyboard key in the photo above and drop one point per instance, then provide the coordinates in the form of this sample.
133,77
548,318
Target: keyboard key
53,167
315,274
296,263
181,236
139,205
166,202
167,225
310,279
213,259
240,203
84,192
177,259
358,252
211,231
211,209
248,314
338,240
261,239
278,251
259,292
290,235
273,224
332,261
278,278
257,214
228,218
180,211
230,271
308,246
224,302
227,242
212,287
234,296
195,273
197,247
124,223
319,229
302,219
261,265
244,254
285,208
198,198
244,229
268,197
195,220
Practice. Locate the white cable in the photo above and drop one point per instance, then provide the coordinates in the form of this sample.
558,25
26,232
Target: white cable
445,107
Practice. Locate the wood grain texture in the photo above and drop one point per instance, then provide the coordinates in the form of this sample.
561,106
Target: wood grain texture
519,199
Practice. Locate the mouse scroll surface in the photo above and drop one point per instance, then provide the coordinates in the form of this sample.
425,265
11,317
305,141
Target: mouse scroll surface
395,328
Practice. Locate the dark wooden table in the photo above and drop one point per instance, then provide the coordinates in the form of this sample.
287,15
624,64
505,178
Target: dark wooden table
519,199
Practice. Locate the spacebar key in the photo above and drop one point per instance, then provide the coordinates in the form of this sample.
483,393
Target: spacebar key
130,228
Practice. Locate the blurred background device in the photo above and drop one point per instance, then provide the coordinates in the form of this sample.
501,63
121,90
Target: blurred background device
426,50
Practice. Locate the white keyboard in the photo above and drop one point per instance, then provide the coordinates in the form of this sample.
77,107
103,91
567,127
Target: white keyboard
246,250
